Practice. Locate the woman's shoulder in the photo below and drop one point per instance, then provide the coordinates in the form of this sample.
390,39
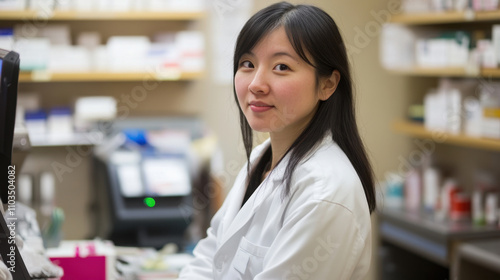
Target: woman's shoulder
328,175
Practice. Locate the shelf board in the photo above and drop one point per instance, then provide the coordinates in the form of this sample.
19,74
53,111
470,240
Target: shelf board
76,139
488,16
419,131
431,18
97,15
446,17
433,72
44,76
490,73
448,72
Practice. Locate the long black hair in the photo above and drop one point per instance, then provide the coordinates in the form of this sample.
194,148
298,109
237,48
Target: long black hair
311,30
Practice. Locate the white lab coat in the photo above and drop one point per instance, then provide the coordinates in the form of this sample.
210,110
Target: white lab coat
322,230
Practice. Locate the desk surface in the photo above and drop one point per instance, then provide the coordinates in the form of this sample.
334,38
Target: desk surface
426,236
445,228
484,252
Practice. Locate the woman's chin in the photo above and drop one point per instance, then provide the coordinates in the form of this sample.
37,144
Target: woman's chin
260,128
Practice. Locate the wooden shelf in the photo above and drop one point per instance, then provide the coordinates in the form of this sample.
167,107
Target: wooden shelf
419,131
431,18
77,139
448,72
435,72
43,76
491,73
446,17
96,15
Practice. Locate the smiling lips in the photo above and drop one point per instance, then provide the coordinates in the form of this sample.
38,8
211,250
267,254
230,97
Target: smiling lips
260,106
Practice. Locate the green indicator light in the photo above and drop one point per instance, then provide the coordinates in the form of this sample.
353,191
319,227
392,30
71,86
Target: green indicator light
150,202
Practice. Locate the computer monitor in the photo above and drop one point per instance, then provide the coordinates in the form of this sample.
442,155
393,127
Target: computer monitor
9,75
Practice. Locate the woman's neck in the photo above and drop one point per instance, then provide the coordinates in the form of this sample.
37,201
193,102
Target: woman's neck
280,143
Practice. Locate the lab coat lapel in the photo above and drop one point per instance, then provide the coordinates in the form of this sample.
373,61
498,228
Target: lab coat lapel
244,215
236,199
239,188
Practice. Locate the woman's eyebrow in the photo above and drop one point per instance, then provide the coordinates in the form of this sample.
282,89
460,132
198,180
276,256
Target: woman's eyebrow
250,53
285,54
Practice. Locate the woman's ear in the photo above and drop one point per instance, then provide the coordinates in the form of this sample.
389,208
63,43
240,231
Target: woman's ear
329,85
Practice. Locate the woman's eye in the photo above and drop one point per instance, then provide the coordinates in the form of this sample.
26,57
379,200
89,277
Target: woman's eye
246,64
281,67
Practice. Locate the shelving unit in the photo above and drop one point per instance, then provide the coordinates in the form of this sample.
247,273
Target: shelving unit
44,76
103,17
70,157
462,140
420,233
467,16
83,15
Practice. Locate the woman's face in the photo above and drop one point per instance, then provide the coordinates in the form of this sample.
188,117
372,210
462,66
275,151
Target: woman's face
276,89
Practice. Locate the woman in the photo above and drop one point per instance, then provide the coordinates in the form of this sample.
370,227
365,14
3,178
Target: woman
301,208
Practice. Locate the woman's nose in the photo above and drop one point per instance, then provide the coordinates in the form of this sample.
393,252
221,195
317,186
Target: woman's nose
259,83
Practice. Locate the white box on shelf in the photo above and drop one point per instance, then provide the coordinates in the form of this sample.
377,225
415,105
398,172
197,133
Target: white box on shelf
6,38
490,104
99,60
156,5
13,5
487,54
460,5
435,111
105,5
397,46
491,127
458,52
42,5
453,111
186,5
140,5
36,124
441,5
191,47
473,117
92,108
69,59
89,40
416,6
128,53
496,41
85,5
122,5
34,52
58,34
60,122
162,56
64,5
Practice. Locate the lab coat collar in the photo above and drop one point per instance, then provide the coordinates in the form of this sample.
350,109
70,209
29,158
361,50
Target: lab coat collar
236,218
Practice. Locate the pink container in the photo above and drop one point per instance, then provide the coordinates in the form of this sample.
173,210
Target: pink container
84,264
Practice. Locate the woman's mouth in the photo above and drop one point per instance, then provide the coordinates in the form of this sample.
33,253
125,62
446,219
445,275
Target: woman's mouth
259,107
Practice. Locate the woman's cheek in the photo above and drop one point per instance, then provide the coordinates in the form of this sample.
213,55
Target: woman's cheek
240,90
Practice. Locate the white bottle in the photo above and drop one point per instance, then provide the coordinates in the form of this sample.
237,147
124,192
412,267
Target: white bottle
491,208
431,188
477,207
